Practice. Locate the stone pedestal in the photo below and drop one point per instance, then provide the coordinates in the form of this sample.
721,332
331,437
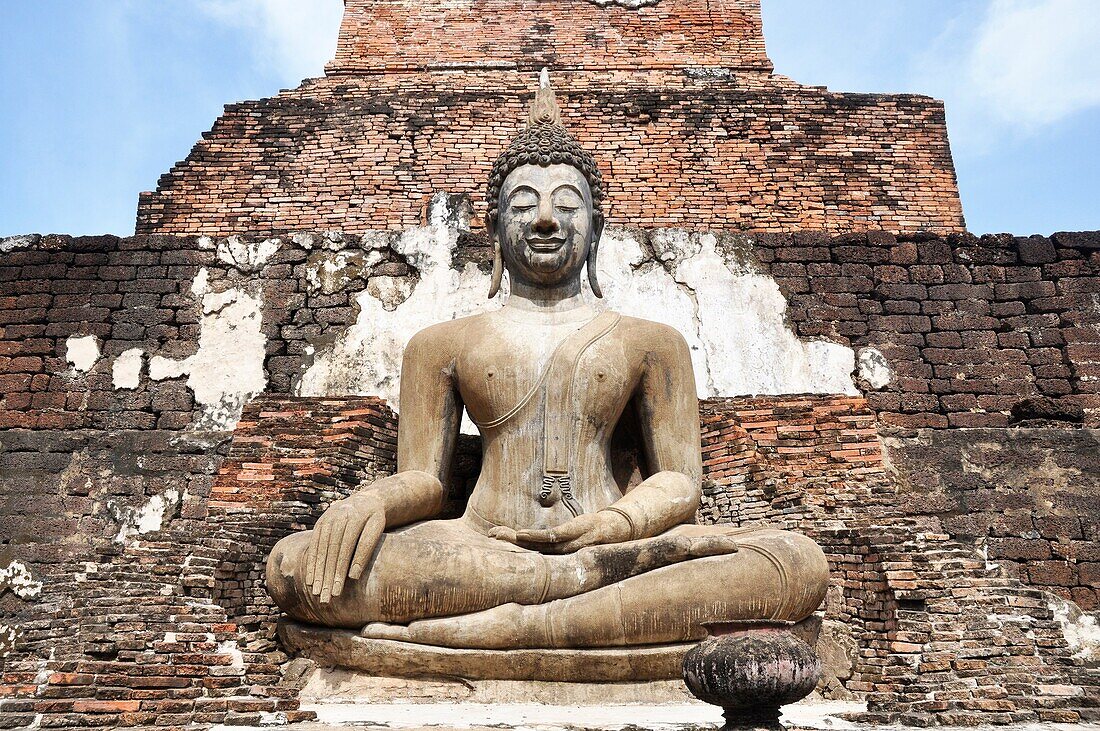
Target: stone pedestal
751,670
388,658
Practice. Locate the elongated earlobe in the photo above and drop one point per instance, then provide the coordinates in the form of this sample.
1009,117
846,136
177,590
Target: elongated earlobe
498,257
593,250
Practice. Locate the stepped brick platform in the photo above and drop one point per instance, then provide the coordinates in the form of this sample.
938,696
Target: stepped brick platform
676,98
955,498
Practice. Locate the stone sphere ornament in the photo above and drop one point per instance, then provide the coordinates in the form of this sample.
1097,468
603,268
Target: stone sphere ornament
751,670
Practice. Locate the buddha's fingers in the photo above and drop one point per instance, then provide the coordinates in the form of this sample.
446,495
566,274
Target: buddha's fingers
332,555
308,558
504,533
537,536
343,560
570,530
368,541
320,536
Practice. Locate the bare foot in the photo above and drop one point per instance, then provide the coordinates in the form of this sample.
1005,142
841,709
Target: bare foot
505,627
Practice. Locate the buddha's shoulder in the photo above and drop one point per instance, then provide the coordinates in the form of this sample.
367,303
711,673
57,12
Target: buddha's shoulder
447,331
650,334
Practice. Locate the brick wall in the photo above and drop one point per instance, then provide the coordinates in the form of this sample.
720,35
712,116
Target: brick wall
384,36
943,636
677,147
970,326
1026,498
117,502
168,624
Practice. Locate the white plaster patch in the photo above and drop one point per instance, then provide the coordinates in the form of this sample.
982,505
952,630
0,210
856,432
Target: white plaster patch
366,358
17,577
82,352
11,243
146,519
1081,631
229,647
228,368
201,285
273,718
390,291
329,271
247,257
874,369
731,315
8,636
126,370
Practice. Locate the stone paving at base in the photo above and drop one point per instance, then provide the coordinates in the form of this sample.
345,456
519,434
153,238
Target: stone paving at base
811,715
681,716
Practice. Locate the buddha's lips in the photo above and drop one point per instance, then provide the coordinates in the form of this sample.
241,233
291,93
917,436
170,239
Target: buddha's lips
545,245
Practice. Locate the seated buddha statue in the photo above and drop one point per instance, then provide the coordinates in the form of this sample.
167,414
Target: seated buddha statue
556,548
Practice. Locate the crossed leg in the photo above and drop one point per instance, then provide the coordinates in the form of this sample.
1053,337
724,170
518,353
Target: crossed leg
775,575
444,584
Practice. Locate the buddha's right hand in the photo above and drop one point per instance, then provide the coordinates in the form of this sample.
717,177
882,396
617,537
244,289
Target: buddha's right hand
343,542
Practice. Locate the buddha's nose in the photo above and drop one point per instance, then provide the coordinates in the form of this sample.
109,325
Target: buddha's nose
545,223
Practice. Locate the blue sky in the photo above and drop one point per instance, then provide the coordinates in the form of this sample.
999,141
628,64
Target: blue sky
100,97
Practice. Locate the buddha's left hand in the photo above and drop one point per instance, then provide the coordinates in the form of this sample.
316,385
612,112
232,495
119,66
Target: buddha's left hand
590,529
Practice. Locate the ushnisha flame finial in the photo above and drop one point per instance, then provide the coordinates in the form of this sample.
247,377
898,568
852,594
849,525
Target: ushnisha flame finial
544,110
544,142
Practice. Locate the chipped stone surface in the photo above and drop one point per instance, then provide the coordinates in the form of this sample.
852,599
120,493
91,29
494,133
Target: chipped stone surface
82,352
126,370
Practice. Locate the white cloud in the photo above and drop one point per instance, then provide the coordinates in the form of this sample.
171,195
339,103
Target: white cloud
1010,68
1036,61
291,38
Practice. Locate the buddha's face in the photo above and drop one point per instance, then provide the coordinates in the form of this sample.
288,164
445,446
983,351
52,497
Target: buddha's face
546,223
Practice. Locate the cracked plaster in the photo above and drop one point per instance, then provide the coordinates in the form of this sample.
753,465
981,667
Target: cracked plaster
227,370
145,519
247,256
731,314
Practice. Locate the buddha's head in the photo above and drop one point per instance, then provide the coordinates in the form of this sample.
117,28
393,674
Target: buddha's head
544,201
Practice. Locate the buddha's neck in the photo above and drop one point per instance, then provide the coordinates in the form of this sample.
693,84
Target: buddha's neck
558,300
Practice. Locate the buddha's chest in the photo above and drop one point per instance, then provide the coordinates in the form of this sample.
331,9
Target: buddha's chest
517,379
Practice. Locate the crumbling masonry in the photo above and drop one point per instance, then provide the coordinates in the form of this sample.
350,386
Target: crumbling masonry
923,402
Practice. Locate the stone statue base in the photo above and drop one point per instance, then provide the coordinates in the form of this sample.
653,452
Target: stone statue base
346,649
